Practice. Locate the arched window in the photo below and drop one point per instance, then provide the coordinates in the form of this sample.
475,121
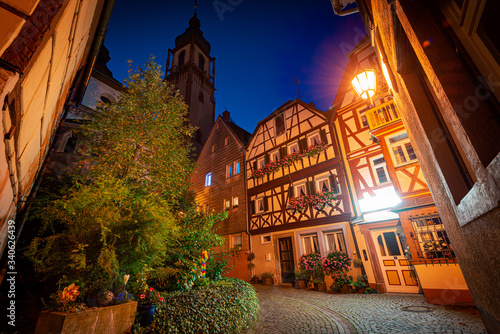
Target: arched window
182,55
201,62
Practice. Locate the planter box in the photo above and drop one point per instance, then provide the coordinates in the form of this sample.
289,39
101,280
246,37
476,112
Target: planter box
110,319
268,281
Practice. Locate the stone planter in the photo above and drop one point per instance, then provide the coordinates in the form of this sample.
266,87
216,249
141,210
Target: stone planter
268,281
346,289
110,319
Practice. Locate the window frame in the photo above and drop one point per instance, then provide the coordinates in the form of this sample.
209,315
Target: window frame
235,201
296,188
310,236
273,154
232,243
403,144
257,206
382,165
291,145
229,171
261,162
208,179
262,241
236,167
227,204
311,136
317,180
334,232
282,115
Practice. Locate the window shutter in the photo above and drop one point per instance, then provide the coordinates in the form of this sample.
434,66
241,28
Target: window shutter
266,204
252,207
255,165
322,134
290,191
267,158
310,188
303,145
282,152
334,184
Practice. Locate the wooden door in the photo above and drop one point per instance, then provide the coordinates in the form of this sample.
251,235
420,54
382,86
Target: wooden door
286,260
398,275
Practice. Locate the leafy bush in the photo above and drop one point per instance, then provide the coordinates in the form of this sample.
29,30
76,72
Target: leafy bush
227,306
217,265
267,274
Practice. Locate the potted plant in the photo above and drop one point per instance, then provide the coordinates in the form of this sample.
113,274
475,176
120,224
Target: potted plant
255,279
301,278
267,278
146,306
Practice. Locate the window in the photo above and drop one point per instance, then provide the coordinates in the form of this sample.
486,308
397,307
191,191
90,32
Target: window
279,123
261,163
213,148
265,239
310,243
201,62
235,202
300,190
293,148
322,184
236,167
401,149
431,238
363,119
218,126
261,205
327,183
335,241
236,241
182,55
208,179
226,141
314,139
275,155
229,171
227,204
379,168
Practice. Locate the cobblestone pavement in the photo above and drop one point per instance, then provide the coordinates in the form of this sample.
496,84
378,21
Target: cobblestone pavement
288,310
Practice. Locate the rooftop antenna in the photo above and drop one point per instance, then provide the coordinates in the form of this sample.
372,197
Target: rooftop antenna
195,6
297,84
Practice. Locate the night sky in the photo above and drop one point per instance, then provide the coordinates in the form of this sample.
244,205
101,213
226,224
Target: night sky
260,48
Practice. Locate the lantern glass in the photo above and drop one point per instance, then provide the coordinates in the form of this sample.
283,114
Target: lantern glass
364,83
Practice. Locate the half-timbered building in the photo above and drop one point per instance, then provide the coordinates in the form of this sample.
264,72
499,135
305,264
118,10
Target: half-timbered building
219,184
403,242
292,163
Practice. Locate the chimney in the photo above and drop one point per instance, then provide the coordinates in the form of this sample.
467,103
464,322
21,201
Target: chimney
226,115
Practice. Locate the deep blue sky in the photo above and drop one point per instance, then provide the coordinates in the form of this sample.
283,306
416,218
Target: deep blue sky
259,46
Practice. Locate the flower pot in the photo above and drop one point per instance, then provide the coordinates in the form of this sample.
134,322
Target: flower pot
322,287
146,313
110,319
268,281
316,287
302,284
346,289
296,284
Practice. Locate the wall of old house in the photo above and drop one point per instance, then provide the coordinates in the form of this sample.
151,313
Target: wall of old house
470,213
47,42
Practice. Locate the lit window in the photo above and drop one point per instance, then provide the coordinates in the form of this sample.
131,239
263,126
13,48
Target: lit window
314,139
275,155
300,190
260,205
229,171
293,148
363,119
208,179
265,239
236,167
401,149
261,163
323,184
236,241
226,141
235,202
213,148
310,243
335,241
227,204
379,168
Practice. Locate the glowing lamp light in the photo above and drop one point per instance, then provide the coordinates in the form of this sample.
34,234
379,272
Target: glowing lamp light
364,83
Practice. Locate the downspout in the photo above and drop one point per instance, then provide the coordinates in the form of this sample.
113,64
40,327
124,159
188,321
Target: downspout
354,208
337,9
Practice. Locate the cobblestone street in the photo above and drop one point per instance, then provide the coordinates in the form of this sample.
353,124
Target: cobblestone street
287,310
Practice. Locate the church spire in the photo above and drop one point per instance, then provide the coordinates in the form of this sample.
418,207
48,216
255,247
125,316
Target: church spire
195,6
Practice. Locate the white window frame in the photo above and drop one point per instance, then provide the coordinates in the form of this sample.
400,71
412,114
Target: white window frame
311,137
327,245
361,114
401,143
235,201
257,206
310,238
261,162
320,179
233,237
291,146
263,237
298,186
274,154
379,165
227,204
229,171
208,179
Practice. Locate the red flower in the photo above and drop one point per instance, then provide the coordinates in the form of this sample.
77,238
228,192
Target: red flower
161,299
151,289
143,296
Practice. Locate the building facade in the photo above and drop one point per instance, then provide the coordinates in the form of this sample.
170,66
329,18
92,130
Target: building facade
47,49
404,243
219,185
443,65
191,69
293,157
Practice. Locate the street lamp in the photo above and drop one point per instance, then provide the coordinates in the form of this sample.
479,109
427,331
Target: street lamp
365,83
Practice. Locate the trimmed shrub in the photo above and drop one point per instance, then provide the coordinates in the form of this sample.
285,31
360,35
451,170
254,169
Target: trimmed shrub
227,306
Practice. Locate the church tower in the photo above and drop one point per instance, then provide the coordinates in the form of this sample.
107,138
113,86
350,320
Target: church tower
191,69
